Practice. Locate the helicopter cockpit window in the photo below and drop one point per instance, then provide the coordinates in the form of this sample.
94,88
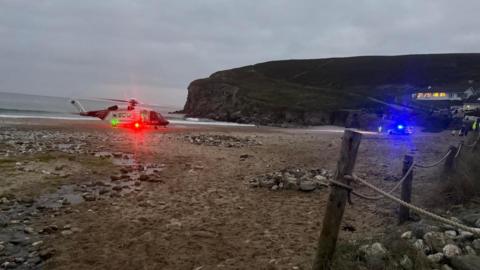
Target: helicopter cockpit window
153,116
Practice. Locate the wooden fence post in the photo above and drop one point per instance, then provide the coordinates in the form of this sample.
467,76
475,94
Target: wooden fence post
406,195
448,167
336,201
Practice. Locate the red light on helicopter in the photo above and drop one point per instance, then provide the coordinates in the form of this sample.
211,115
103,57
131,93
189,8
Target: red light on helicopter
137,125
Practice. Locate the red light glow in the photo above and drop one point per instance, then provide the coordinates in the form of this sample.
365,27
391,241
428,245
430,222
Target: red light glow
137,125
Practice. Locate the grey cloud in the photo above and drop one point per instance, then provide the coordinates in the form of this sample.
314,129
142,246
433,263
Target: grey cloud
153,49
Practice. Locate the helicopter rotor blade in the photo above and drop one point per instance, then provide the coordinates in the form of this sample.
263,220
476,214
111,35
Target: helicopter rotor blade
114,100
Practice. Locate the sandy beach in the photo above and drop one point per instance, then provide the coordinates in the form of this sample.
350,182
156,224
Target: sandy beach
81,195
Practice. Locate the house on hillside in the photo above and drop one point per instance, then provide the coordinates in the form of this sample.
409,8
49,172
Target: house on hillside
432,94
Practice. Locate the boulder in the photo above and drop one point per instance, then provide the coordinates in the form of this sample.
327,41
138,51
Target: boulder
436,258
290,182
406,263
419,229
470,251
307,185
421,246
436,240
374,255
451,251
467,262
464,235
476,244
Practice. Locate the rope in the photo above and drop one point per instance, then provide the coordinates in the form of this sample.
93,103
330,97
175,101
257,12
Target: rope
474,143
435,163
373,198
460,146
415,208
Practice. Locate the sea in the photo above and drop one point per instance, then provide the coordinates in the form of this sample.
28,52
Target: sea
14,105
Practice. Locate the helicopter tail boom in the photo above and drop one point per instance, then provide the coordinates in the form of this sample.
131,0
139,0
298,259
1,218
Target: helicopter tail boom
78,106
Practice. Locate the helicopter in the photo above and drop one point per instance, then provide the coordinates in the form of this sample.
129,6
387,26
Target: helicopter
131,115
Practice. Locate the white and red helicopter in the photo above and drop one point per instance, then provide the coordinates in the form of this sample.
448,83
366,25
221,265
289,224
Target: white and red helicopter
130,115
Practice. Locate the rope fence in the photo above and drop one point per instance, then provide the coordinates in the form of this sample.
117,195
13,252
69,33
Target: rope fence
342,190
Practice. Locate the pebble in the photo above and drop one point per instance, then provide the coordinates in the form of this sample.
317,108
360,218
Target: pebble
66,232
407,235
29,230
37,243
143,177
47,253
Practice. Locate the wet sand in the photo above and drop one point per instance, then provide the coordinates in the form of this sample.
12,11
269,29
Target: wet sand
81,195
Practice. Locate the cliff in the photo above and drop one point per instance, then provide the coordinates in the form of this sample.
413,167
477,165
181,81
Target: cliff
308,92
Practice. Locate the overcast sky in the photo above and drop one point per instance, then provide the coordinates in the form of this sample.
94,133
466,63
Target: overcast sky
153,49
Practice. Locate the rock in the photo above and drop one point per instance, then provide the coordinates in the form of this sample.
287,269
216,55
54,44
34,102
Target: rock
420,228
467,262
476,244
46,253
89,197
274,187
421,246
4,200
307,185
464,235
290,183
117,188
451,251
436,258
407,235
143,177
470,219
477,223
451,234
67,232
406,263
436,240
470,251
374,255
3,220
9,265
321,181
49,229
18,239
37,243
445,267
115,177
29,230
